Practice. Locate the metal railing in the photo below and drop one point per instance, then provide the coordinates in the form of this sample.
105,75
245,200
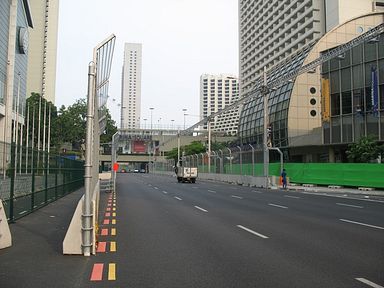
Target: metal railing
245,161
33,178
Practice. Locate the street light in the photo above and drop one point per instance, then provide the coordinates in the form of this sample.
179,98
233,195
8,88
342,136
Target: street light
151,117
184,110
145,123
172,123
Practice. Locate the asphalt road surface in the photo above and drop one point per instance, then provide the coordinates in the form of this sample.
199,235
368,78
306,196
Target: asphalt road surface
213,234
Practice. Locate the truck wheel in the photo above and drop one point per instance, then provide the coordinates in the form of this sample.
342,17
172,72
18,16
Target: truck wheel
178,179
193,180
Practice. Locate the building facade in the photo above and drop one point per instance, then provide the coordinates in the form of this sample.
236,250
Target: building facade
131,87
15,22
43,49
270,31
217,92
314,116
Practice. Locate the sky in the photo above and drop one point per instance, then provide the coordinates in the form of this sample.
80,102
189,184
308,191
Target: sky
182,39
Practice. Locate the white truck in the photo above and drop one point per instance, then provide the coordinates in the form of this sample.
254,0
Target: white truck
186,174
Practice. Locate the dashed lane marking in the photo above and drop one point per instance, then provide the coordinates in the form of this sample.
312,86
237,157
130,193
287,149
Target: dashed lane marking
294,197
112,272
101,247
113,231
252,232
349,205
106,222
278,206
97,272
104,232
178,198
237,197
362,224
112,247
113,221
369,283
201,209
211,191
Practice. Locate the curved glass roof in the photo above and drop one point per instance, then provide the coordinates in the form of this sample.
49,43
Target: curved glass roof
251,122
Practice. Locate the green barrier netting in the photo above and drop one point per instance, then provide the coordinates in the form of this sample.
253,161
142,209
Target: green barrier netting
342,174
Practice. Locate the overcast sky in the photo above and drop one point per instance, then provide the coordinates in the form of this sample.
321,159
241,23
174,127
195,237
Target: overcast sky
181,39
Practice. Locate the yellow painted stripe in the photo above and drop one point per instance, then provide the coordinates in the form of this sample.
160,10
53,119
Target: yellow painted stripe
112,271
114,214
113,221
114,209
113,246
113,231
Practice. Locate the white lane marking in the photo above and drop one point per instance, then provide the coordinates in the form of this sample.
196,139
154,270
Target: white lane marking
165,192
289,196
201,209
23,212
238,197
363,224
369,283
156,188
278,206
252,232
348,205
337,196
178,198
211,191
257,192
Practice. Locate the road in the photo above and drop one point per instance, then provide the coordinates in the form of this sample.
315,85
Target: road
212,234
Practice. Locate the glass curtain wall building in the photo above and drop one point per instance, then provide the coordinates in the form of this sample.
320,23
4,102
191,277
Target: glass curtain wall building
307,124
355,87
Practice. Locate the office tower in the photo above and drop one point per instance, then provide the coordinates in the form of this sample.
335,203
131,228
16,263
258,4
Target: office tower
216,92
43,49
131,87
271,30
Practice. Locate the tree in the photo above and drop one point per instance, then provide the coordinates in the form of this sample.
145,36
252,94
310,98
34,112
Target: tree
365,150
36,103
195,147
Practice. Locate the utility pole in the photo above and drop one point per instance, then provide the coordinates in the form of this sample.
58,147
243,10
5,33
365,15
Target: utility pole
264,91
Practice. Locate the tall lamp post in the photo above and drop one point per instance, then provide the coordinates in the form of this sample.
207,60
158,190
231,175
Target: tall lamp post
145,123
151,117
184,110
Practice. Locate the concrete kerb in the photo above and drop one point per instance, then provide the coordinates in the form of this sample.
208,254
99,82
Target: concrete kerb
5,233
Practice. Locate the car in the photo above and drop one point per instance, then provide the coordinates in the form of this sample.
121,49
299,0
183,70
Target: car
142,170
136,171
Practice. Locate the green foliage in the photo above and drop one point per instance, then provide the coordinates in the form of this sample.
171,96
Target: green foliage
67,124
195,147
365,150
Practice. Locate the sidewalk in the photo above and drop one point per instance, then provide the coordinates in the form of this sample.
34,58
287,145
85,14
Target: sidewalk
339,191
35,258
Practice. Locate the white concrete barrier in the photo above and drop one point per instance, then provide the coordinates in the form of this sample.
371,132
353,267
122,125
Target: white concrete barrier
5,233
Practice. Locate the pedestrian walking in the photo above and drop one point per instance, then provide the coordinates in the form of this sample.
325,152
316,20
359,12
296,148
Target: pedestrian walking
284,178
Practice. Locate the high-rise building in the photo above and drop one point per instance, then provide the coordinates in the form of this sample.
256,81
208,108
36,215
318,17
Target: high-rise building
217,92
297,118
131,87
270,30
43,49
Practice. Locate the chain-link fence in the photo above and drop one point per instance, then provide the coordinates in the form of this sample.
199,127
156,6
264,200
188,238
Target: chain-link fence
245,161
31,179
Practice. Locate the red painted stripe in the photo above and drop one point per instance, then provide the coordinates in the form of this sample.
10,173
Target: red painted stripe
104,232
101,247
107,214
109,209
106,222
97,272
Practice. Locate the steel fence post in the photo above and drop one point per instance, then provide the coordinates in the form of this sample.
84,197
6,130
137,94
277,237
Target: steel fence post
12,186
